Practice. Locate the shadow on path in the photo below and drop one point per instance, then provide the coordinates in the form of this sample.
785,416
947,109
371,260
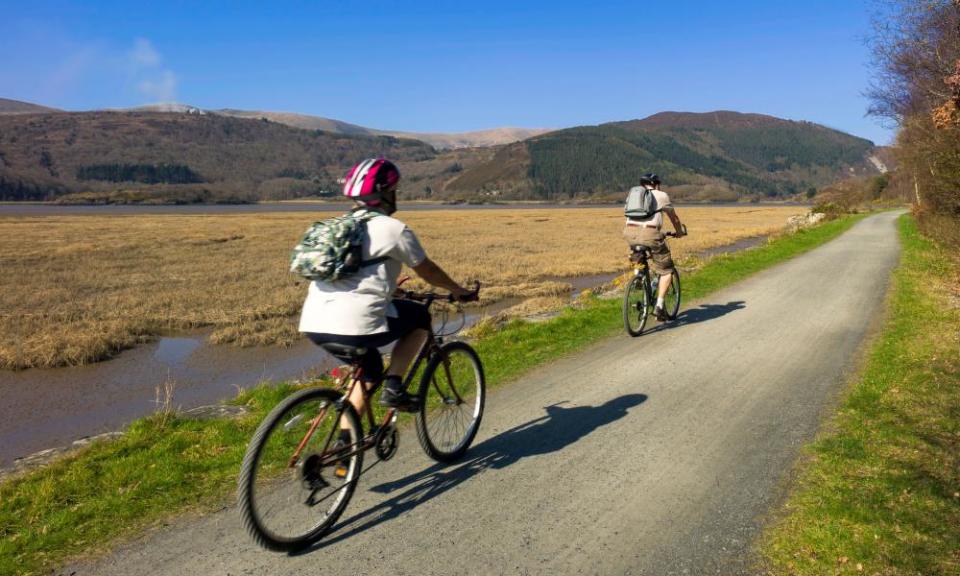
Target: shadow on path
557,429
703,313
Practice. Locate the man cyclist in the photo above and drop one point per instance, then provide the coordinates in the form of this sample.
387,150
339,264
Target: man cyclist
359,310
647,232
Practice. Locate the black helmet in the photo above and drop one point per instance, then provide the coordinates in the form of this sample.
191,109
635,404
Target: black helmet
649,179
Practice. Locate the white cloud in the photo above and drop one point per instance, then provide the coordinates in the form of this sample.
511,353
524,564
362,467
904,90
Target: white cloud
143,55
123,75
157,83
160,88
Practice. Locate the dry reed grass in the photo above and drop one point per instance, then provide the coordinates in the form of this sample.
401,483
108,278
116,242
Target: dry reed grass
76,289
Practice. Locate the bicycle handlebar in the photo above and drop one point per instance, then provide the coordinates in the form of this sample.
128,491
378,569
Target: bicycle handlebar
430,297
683,228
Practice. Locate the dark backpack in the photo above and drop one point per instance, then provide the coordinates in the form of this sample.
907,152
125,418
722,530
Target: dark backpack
641,203
333,249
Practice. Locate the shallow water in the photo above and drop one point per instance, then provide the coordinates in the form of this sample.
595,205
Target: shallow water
742,244
44,408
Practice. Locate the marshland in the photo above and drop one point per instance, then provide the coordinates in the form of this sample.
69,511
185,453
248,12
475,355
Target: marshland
77,289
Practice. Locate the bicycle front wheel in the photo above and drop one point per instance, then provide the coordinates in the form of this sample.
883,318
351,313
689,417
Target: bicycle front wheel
671,300
452,393
635,305
299,471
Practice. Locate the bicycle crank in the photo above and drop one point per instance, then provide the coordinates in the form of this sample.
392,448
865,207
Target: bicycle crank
387,442
310,472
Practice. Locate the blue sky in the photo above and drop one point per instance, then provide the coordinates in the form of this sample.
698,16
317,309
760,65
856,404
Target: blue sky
449,66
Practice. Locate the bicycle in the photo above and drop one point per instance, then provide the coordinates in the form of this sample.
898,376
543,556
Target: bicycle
640,293
296,480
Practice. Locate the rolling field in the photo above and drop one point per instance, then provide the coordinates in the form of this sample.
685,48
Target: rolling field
76,289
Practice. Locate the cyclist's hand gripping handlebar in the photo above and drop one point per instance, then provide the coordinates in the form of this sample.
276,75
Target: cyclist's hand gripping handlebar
471,296
680,234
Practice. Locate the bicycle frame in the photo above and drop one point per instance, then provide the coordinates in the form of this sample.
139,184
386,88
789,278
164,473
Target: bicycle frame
349,383
641,267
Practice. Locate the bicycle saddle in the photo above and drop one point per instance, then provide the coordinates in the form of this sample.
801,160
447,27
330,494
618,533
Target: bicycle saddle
344,351
639,253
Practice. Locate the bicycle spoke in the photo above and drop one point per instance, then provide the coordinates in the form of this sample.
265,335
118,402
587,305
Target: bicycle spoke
452,391
296,480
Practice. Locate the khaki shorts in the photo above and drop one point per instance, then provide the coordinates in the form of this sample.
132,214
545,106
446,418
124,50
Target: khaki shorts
661,262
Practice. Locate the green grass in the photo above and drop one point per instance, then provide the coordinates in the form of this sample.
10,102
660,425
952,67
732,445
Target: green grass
881,491
166,465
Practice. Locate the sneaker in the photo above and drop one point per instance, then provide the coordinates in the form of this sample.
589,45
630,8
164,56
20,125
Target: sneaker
342,467
660,314
399,399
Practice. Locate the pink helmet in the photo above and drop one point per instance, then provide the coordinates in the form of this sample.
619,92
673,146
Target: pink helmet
368,179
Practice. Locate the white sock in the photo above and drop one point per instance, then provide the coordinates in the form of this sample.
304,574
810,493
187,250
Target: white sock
660,302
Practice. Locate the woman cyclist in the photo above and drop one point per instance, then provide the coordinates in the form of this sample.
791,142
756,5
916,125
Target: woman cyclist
360,310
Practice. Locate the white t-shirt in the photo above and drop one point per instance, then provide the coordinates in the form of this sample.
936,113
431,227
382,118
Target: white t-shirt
661,201
359,304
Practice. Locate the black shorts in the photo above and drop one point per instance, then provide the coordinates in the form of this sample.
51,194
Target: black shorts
410,316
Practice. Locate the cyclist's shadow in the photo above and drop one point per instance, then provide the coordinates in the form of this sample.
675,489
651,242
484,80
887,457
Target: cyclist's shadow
559,428
702,313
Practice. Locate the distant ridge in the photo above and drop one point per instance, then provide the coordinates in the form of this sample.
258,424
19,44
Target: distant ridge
178,152
439,140
706,120
720,155
8,106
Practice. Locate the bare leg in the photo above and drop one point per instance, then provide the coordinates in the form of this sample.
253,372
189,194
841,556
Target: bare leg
359,403
665,280
405,350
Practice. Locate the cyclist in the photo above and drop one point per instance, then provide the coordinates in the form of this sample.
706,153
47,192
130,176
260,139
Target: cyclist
359,310
647,232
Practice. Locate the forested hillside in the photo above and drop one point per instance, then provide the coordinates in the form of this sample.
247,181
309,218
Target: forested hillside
733,154
48,155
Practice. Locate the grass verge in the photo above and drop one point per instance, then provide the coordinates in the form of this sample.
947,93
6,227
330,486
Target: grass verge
881,493
166,465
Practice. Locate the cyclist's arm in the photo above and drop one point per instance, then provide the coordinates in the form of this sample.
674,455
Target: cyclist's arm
429,271
677,226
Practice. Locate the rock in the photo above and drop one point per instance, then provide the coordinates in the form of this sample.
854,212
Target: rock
215,411
44,457
811,219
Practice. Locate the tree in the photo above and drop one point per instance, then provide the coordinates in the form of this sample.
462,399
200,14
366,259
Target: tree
917,86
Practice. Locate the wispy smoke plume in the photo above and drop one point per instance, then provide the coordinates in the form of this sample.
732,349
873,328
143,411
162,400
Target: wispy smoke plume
151,79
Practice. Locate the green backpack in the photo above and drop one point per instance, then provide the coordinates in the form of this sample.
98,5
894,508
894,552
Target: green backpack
641,203
332,249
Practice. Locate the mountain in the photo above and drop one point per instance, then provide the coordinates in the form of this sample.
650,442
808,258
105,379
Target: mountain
8,106
181,153
715,155
304,121
475,139
206,156
439,140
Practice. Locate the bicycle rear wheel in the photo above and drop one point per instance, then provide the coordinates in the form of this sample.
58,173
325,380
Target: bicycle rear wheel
289,490
671,300
452,393
635,305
